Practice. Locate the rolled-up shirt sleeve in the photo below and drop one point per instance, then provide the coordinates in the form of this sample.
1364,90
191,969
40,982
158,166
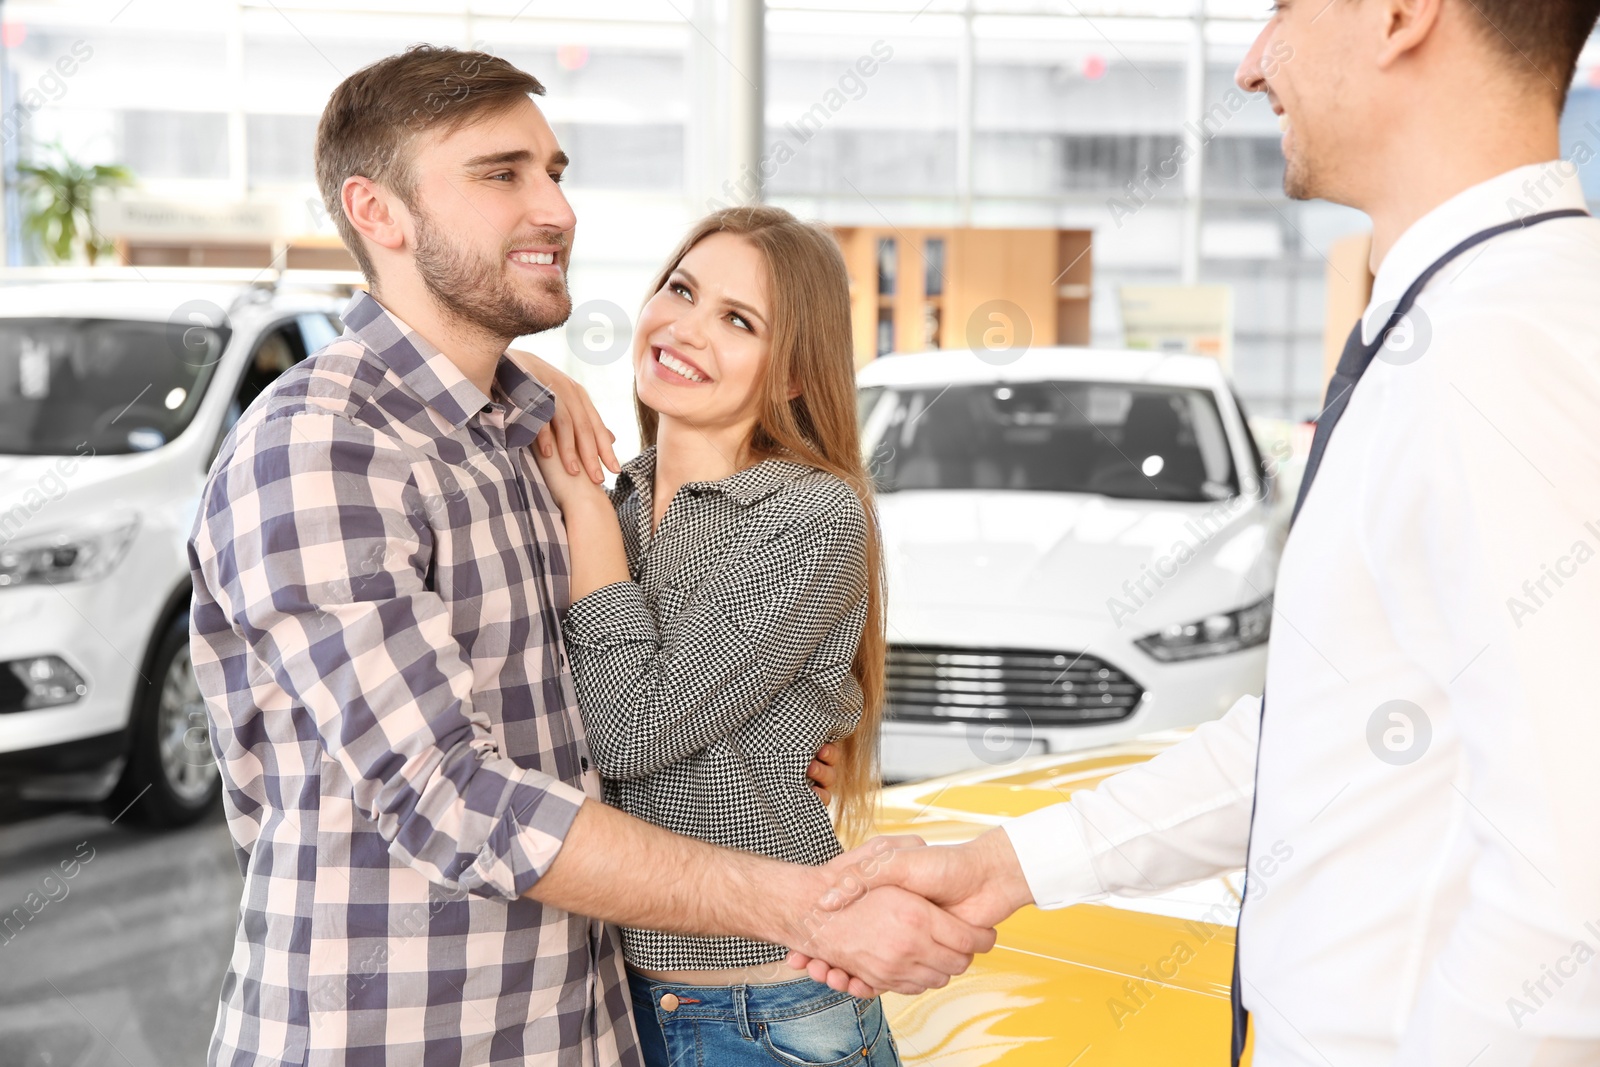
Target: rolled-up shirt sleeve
652,697
315,543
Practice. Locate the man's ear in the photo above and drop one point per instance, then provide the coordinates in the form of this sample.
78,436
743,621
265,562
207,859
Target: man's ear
1406,25
375,212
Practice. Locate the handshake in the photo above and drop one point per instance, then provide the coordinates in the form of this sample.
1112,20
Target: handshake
902,916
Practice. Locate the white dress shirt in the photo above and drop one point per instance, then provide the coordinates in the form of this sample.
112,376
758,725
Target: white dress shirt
1444,910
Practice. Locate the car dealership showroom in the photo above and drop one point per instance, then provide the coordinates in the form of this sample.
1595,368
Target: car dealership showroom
705,532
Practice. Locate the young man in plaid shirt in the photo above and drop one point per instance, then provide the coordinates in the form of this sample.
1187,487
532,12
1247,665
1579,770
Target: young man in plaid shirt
378,574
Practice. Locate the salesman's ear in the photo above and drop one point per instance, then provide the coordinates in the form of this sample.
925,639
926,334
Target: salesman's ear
1405,25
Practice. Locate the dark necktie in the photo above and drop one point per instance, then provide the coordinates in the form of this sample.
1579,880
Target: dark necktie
1358,356
1353,363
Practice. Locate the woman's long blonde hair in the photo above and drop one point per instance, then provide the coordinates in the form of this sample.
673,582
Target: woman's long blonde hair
811,346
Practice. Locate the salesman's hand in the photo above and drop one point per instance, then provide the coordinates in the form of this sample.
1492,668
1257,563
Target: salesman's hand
575,433
892,940
980,883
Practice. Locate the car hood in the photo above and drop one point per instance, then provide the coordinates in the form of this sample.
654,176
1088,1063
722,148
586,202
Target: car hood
1121,982
20,469
39,494
29,479
1073,554
955,806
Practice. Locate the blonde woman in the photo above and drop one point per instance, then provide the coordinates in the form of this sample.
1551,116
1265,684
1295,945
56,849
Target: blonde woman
727,618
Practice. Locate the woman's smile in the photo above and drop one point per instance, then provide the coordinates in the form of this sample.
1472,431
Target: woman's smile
675,368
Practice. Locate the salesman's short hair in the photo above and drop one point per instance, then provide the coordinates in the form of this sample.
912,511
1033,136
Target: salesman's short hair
1544,36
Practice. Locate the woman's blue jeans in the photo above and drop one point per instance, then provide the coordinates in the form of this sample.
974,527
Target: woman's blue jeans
787,1024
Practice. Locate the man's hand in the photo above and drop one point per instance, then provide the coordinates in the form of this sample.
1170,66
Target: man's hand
823,774
575,432
889,939
609,868
980,883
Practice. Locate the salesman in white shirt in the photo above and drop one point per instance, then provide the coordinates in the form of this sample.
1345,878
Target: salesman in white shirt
1429,750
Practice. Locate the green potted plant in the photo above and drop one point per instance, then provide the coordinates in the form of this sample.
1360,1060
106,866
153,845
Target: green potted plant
58,196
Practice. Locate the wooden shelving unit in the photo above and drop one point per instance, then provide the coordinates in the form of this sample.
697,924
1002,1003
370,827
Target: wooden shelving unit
305,252
912,290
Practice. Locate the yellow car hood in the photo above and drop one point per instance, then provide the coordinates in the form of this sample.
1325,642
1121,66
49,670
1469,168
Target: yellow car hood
1122,982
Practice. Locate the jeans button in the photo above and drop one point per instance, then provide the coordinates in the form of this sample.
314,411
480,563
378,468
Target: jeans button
669,1002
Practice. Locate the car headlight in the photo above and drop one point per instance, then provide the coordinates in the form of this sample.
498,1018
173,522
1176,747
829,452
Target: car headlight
78,554
1214,635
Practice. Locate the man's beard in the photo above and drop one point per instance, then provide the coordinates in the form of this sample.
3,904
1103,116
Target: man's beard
1297,181
481,292
1306,172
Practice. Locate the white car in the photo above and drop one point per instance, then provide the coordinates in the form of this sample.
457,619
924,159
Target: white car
1080,547
114,396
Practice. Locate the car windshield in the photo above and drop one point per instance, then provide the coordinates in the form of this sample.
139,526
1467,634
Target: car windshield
100,385
1143,442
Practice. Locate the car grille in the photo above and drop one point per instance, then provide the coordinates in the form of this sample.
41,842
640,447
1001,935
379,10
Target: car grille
930,683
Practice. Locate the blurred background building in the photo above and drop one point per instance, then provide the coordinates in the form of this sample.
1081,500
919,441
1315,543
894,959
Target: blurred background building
987,113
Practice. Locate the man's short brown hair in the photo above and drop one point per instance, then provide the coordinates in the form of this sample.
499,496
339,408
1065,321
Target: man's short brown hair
374,115
1546,36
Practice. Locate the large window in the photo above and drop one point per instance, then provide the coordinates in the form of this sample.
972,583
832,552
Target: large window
1244,166
886,162
280,147
174,144
605,156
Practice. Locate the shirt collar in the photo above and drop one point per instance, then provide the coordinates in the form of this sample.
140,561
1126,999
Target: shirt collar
1531,190
438,382
746,487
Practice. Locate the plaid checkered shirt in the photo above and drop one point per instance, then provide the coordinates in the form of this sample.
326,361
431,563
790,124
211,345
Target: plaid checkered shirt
378,576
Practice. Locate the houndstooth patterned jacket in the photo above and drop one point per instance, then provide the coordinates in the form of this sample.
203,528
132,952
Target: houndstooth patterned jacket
709,681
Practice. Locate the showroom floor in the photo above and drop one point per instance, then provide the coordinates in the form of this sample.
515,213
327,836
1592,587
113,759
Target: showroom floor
114,941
